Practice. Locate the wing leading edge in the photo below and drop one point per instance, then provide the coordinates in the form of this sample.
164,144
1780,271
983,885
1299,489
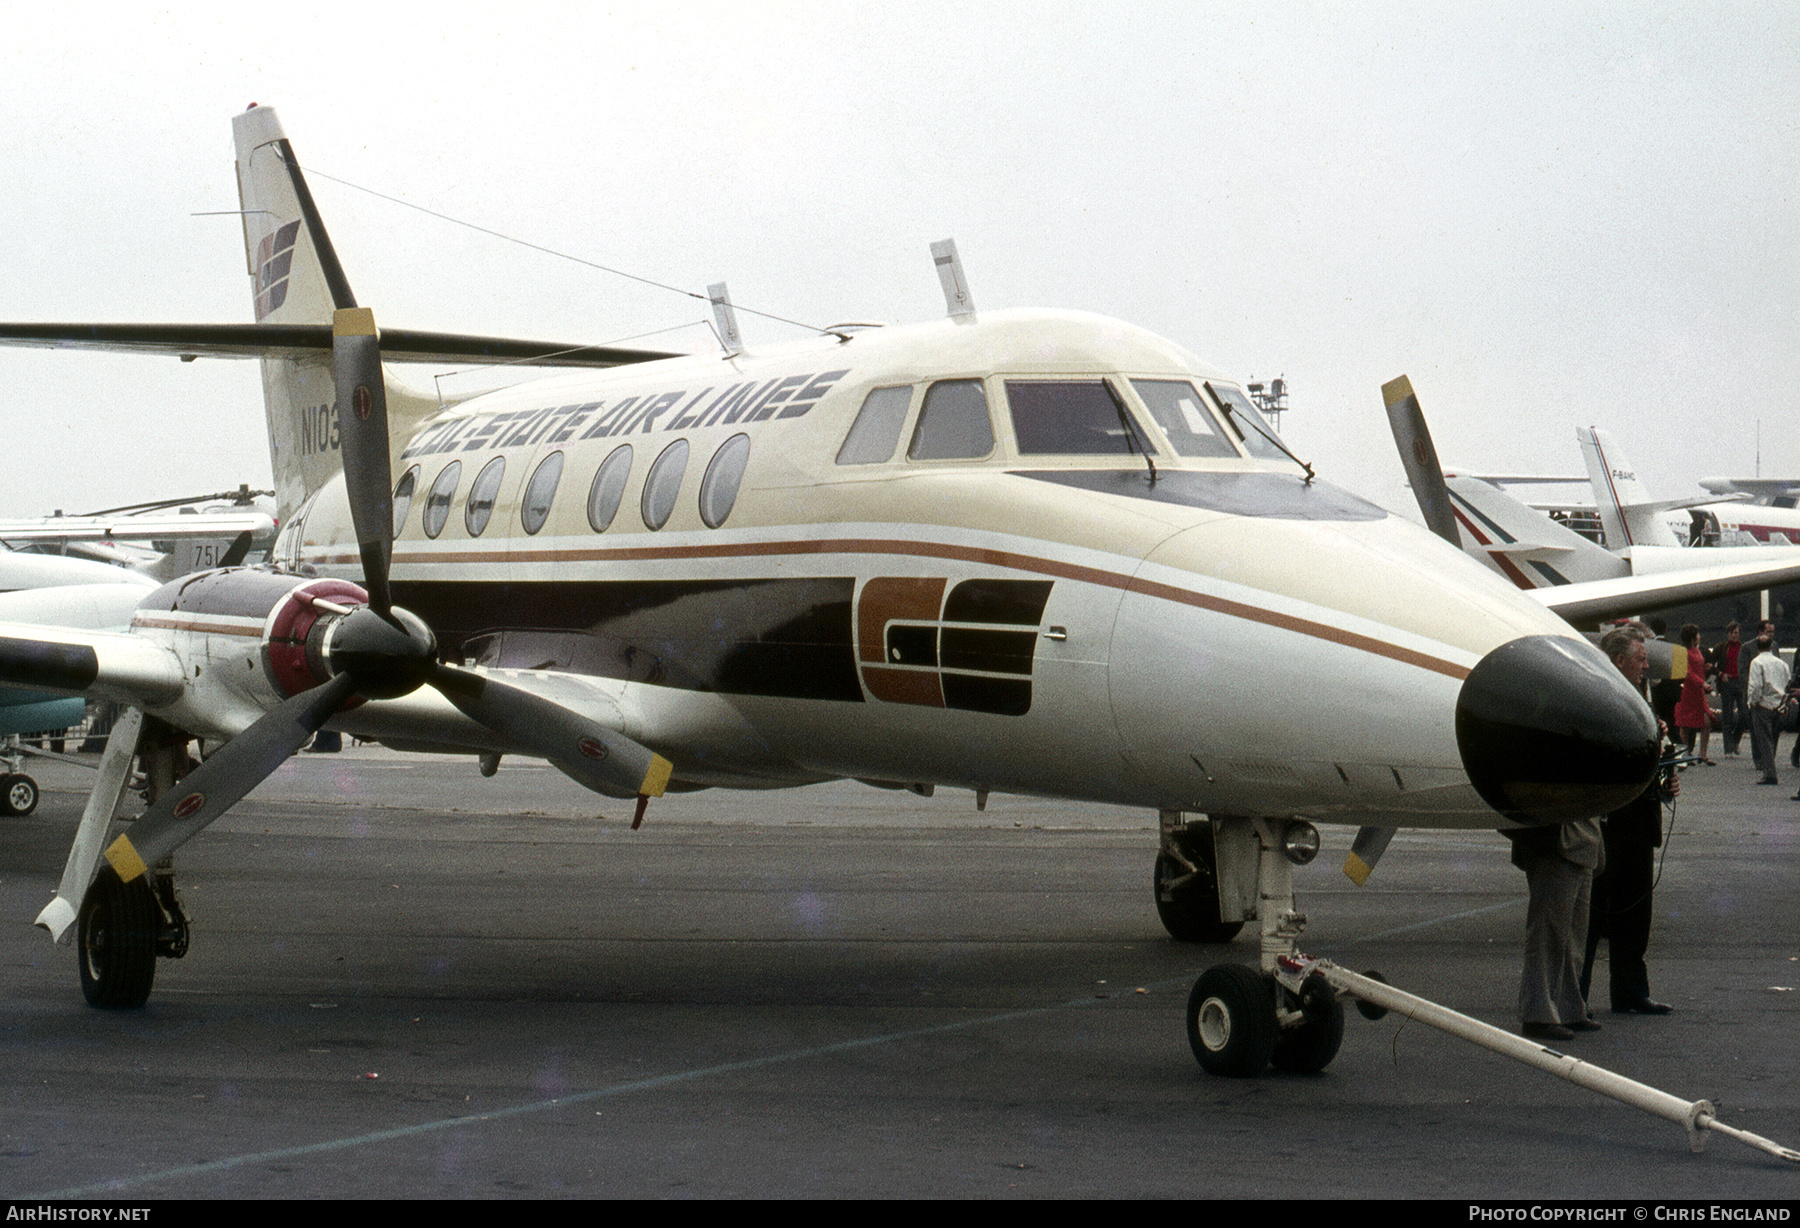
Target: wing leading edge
1595,601
302,340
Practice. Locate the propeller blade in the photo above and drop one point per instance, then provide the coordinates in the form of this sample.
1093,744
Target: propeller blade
1370,844
218,784
602,759
363,433
1420,458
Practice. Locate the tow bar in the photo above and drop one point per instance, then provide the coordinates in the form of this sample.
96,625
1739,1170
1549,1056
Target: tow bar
1697,1116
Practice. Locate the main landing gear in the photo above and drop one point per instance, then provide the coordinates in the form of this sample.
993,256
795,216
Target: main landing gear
121,927
1241,1020
1186,882
18,794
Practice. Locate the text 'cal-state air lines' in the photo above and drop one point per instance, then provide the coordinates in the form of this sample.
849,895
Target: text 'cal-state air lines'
751,401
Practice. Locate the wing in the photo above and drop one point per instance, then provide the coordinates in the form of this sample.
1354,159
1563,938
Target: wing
102,664
187,341
1595,601
1757,488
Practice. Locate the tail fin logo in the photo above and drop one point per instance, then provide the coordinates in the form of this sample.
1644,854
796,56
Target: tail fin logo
274,257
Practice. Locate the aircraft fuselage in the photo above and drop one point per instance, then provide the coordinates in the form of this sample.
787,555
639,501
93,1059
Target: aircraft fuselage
964,609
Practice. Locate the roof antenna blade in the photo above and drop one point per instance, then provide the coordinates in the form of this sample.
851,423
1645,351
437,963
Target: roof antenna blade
958,304
726,318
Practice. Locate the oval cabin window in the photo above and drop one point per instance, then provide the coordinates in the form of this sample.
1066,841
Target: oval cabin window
482,496
437,503
719,488
609,488
403,497
540,491
663,485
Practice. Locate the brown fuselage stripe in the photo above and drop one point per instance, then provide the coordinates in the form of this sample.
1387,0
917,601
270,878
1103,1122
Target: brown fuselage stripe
198,626
966,554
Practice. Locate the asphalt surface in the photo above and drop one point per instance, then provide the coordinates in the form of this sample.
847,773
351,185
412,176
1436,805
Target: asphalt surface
409,981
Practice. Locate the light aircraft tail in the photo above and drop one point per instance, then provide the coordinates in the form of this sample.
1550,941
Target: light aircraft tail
1523,544
1629,516
295,278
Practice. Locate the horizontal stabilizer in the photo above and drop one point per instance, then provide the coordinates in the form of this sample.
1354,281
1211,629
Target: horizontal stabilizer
304,340
1523,544
135,528
1676,505
1518,479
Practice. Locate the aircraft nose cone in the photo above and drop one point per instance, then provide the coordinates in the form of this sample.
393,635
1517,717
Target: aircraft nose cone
1550,731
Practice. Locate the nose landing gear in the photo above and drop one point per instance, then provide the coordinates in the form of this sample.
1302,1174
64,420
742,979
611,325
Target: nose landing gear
1241,1020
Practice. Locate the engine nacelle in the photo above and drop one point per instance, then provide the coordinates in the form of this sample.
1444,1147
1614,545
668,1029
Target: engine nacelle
247,634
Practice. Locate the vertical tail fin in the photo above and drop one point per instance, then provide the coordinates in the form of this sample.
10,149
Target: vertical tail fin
1627,513
295,278
288,259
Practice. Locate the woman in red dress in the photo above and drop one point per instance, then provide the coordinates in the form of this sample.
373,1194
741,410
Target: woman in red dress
1692,715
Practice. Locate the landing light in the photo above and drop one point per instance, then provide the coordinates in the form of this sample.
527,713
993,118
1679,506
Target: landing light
1300,842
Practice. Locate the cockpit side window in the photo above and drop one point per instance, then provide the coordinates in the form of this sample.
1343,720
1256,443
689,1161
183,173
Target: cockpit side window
1072,418
1179,410
876,431
953,423
1246,422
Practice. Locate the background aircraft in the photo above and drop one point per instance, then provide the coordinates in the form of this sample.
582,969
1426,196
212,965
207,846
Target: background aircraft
163,539
91,571
41,588
1768,513
1571,574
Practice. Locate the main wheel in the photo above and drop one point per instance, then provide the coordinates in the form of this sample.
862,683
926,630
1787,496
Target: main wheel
1190,912
1309,1048
1231,1021
117,941
18,794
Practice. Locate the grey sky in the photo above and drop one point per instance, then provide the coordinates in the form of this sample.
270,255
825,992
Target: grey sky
1548,215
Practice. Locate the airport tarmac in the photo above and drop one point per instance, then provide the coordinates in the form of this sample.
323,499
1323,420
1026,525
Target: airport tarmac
410,981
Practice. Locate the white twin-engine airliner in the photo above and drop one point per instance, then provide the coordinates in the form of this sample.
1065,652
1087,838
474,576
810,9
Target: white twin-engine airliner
1037,552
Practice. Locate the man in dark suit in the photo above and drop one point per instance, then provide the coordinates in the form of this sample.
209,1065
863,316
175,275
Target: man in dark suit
1620,908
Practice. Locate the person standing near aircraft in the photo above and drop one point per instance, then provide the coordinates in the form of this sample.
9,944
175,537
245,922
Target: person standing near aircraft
1561,864
1765,692
1621,907
1665,693
1731,688
1692,714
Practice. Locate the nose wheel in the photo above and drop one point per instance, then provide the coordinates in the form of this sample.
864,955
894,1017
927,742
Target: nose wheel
1237,1030
1240,1019
1231,1021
